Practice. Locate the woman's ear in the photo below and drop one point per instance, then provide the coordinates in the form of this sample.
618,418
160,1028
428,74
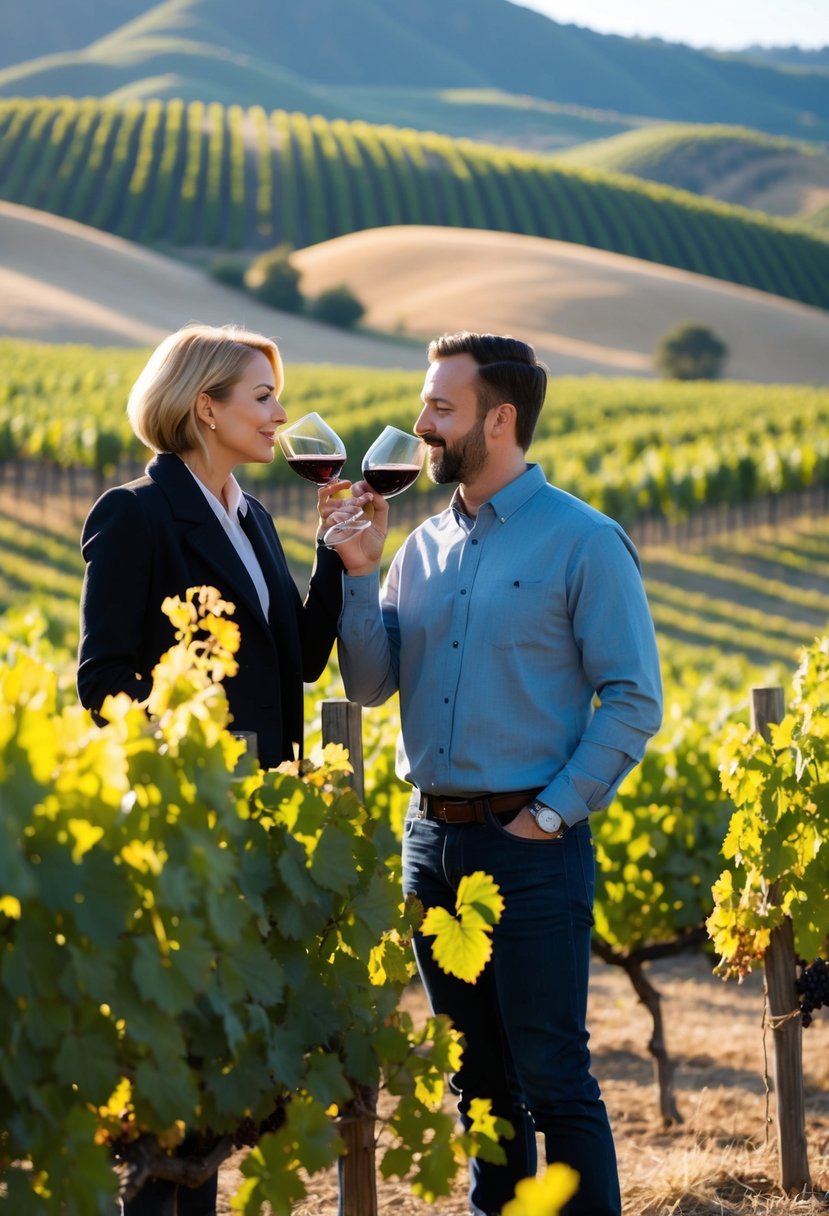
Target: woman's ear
204,409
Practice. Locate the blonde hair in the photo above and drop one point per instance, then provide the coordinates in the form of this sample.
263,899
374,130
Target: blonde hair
196,359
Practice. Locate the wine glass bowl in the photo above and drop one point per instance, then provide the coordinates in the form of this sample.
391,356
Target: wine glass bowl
312,449
392,464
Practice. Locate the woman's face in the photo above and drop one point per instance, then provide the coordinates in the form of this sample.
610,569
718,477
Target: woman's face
246,422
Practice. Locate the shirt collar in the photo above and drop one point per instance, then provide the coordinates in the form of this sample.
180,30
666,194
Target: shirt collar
237,505
513,495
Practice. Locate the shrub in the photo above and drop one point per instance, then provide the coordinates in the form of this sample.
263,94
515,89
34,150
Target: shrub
691,352
274,280
230,271
337,306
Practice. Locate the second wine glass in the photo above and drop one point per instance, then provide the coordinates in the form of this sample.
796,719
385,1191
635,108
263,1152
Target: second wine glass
390,466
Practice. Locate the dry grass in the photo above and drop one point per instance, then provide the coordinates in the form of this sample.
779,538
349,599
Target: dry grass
586,311
722,1160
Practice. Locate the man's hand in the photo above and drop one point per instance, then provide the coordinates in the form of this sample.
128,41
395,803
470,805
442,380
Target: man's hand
524,825
361,554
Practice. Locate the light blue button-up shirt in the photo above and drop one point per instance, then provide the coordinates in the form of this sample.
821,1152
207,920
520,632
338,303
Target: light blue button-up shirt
500,633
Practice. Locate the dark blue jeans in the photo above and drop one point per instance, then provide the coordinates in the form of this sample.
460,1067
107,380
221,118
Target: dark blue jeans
523,1022
158,1198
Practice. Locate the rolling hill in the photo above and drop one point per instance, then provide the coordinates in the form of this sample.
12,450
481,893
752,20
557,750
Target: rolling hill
62,282
783,177
265,51
587,311
208,178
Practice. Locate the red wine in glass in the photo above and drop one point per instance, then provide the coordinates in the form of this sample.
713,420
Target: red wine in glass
391,479
312,449
318,469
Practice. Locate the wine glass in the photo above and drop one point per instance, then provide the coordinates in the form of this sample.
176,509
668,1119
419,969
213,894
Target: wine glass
392,464
312,449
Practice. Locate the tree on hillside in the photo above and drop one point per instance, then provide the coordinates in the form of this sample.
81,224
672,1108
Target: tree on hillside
274,280
337,306
691,352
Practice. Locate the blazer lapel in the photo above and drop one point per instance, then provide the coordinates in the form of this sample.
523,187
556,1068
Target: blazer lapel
202,530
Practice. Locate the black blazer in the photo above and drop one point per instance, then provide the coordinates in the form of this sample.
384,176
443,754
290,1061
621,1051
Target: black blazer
156,537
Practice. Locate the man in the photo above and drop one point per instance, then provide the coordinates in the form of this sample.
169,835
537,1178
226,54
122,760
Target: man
500,622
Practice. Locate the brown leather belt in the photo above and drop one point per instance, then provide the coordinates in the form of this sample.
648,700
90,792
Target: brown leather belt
472,810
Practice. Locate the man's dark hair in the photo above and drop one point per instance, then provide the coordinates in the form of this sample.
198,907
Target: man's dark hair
508,370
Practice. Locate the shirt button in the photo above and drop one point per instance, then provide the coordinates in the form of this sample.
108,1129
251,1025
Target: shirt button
445,700
463,592
440,749
474,542
455,645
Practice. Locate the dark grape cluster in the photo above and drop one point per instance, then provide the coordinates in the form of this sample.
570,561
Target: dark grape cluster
813,987
249,1132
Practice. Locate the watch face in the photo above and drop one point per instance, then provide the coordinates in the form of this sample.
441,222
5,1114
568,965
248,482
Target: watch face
548,820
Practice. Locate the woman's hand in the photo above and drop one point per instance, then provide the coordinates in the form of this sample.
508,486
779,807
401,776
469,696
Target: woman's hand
361,554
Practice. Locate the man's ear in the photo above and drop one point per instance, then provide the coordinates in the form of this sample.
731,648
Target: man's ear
502,418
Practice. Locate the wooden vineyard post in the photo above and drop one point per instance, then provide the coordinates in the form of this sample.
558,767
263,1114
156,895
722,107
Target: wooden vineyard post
342,723
767,708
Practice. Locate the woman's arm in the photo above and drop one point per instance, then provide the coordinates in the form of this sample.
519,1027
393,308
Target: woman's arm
117,548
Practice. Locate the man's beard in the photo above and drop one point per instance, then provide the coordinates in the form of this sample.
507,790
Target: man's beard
460,462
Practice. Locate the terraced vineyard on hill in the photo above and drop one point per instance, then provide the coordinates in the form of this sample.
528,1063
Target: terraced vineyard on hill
226,177
631,448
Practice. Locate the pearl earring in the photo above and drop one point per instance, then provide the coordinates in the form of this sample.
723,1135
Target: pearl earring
212,426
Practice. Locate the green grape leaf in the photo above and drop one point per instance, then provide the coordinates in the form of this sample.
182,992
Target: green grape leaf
88,1058
325,1079
158,978
307,1139
250,971
332,865
166,1089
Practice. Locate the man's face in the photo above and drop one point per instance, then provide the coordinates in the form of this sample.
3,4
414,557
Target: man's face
449,421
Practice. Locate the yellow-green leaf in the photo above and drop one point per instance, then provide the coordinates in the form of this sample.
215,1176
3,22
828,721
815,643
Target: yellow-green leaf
544,1196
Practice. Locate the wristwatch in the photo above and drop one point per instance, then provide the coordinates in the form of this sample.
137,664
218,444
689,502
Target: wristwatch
547,819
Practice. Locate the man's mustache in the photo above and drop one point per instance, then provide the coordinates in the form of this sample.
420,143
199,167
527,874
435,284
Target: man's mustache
433,442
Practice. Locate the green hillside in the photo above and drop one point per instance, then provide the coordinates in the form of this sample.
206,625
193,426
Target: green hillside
739,166
214,178
205,45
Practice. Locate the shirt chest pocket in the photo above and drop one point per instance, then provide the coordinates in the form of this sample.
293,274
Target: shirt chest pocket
521,612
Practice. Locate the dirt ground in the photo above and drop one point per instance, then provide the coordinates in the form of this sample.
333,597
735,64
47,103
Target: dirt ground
722,1159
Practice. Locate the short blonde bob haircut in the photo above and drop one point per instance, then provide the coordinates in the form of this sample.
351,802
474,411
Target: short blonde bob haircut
196,359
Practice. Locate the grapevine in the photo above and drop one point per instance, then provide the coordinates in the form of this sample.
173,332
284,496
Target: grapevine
813,987
190,944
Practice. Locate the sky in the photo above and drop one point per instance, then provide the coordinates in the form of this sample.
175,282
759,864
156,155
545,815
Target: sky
722,24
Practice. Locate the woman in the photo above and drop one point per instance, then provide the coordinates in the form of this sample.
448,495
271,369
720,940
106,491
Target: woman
206,402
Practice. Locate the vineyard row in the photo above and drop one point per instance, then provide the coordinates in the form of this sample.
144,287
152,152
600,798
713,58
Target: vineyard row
190,174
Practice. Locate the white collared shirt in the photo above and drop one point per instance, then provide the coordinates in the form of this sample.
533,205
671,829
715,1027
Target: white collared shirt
230,521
